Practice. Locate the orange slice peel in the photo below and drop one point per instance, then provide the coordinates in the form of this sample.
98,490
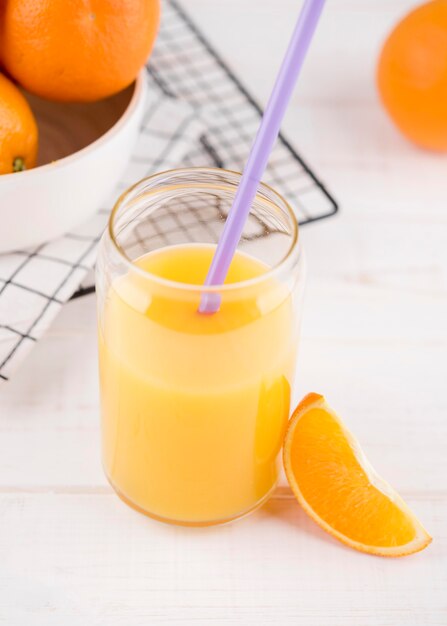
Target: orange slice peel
338,488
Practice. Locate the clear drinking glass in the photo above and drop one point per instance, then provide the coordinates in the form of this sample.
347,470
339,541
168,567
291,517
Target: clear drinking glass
194,406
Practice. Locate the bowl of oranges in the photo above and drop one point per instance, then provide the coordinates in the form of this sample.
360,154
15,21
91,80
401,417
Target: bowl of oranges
72,94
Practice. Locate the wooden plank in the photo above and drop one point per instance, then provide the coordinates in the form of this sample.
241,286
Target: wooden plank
91,558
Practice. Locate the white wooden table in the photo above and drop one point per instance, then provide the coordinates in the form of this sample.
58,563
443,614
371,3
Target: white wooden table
374,342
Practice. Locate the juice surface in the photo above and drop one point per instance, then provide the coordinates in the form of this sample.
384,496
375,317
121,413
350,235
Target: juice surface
194,406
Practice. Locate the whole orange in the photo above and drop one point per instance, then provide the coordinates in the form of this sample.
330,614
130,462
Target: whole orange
18,130
412,75
77,50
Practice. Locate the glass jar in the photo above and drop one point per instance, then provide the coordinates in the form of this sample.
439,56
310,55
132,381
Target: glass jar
194,406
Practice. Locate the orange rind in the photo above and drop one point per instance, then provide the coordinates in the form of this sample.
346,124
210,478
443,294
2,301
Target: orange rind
337,487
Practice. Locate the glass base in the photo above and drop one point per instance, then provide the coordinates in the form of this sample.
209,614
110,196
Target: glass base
174,522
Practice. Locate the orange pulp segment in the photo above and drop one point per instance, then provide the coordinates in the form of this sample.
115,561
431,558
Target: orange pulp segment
335,484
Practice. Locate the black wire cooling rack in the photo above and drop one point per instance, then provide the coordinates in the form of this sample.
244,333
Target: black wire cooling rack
185,66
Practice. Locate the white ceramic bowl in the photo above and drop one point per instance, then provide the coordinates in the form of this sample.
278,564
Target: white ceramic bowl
83,150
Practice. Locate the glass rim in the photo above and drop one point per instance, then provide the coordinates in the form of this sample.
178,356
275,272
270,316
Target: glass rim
228,287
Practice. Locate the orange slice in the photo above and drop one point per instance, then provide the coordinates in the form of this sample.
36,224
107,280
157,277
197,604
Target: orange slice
335,484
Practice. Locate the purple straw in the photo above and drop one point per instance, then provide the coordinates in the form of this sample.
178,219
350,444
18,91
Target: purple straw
260,151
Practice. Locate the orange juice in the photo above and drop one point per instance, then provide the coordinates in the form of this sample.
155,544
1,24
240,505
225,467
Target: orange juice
194,407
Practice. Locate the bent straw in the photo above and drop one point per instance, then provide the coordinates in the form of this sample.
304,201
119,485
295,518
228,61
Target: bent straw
260,151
